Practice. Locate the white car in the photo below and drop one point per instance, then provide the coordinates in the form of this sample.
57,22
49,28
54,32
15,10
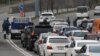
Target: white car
46,15
82,12
89,50
76,34
77,45
39,42
57,26
97,10
56,21
54,45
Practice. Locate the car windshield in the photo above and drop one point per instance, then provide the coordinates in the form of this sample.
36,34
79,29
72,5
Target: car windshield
80,44
79,34
68,29
58,27
59,40
94,49
46,14
82,9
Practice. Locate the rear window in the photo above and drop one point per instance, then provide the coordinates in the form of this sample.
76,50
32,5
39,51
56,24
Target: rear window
94,49
46,14
58,40
84,43
21,20
80,34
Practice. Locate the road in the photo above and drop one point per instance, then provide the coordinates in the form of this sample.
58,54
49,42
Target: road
13,47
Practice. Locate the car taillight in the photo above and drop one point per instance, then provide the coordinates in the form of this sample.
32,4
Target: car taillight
49,47
40,42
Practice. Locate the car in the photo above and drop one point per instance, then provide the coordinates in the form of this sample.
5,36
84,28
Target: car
97,10
77,45
64,29
82,12
56,21
89,50
39,41
57,26
76,34
46,15
28,37
88,24
53,45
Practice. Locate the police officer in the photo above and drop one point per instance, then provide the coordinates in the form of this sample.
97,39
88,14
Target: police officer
5,27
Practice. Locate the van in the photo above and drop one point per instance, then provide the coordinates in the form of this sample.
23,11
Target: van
82,12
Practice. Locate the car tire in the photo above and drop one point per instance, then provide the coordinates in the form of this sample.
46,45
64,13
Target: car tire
44,54
71,55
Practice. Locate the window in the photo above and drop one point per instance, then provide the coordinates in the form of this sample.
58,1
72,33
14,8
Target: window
46,14
94,49
82,9
80,44
58,40
80,34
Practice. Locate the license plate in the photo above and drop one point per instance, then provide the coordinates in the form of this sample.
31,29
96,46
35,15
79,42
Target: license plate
60,47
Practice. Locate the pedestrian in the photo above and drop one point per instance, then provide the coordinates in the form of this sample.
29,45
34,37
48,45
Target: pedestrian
68,21
5,27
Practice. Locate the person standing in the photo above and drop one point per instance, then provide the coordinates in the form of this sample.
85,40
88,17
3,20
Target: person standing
68,21
5,27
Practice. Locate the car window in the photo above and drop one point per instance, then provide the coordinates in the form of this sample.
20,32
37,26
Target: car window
80,44
80,34
68,34
94,49
58,40
82,9
46,14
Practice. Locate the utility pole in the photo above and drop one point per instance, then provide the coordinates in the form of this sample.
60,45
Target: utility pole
37,7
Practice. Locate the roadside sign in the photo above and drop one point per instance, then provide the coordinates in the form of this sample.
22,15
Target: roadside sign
21,7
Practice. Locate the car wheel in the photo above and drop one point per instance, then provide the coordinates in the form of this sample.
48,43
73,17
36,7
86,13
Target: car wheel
12,37
71,55
44,54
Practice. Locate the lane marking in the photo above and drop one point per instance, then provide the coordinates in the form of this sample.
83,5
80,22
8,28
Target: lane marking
25,53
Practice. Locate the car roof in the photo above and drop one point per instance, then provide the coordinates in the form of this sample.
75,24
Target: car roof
85,41
97,7
92,44
57,37
49,34
78,30
47,13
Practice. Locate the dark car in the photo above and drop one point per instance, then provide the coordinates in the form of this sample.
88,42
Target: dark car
28,37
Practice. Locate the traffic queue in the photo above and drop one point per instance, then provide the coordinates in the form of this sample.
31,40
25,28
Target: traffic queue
53,37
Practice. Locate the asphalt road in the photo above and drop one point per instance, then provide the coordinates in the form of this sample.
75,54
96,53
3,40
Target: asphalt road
14,48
